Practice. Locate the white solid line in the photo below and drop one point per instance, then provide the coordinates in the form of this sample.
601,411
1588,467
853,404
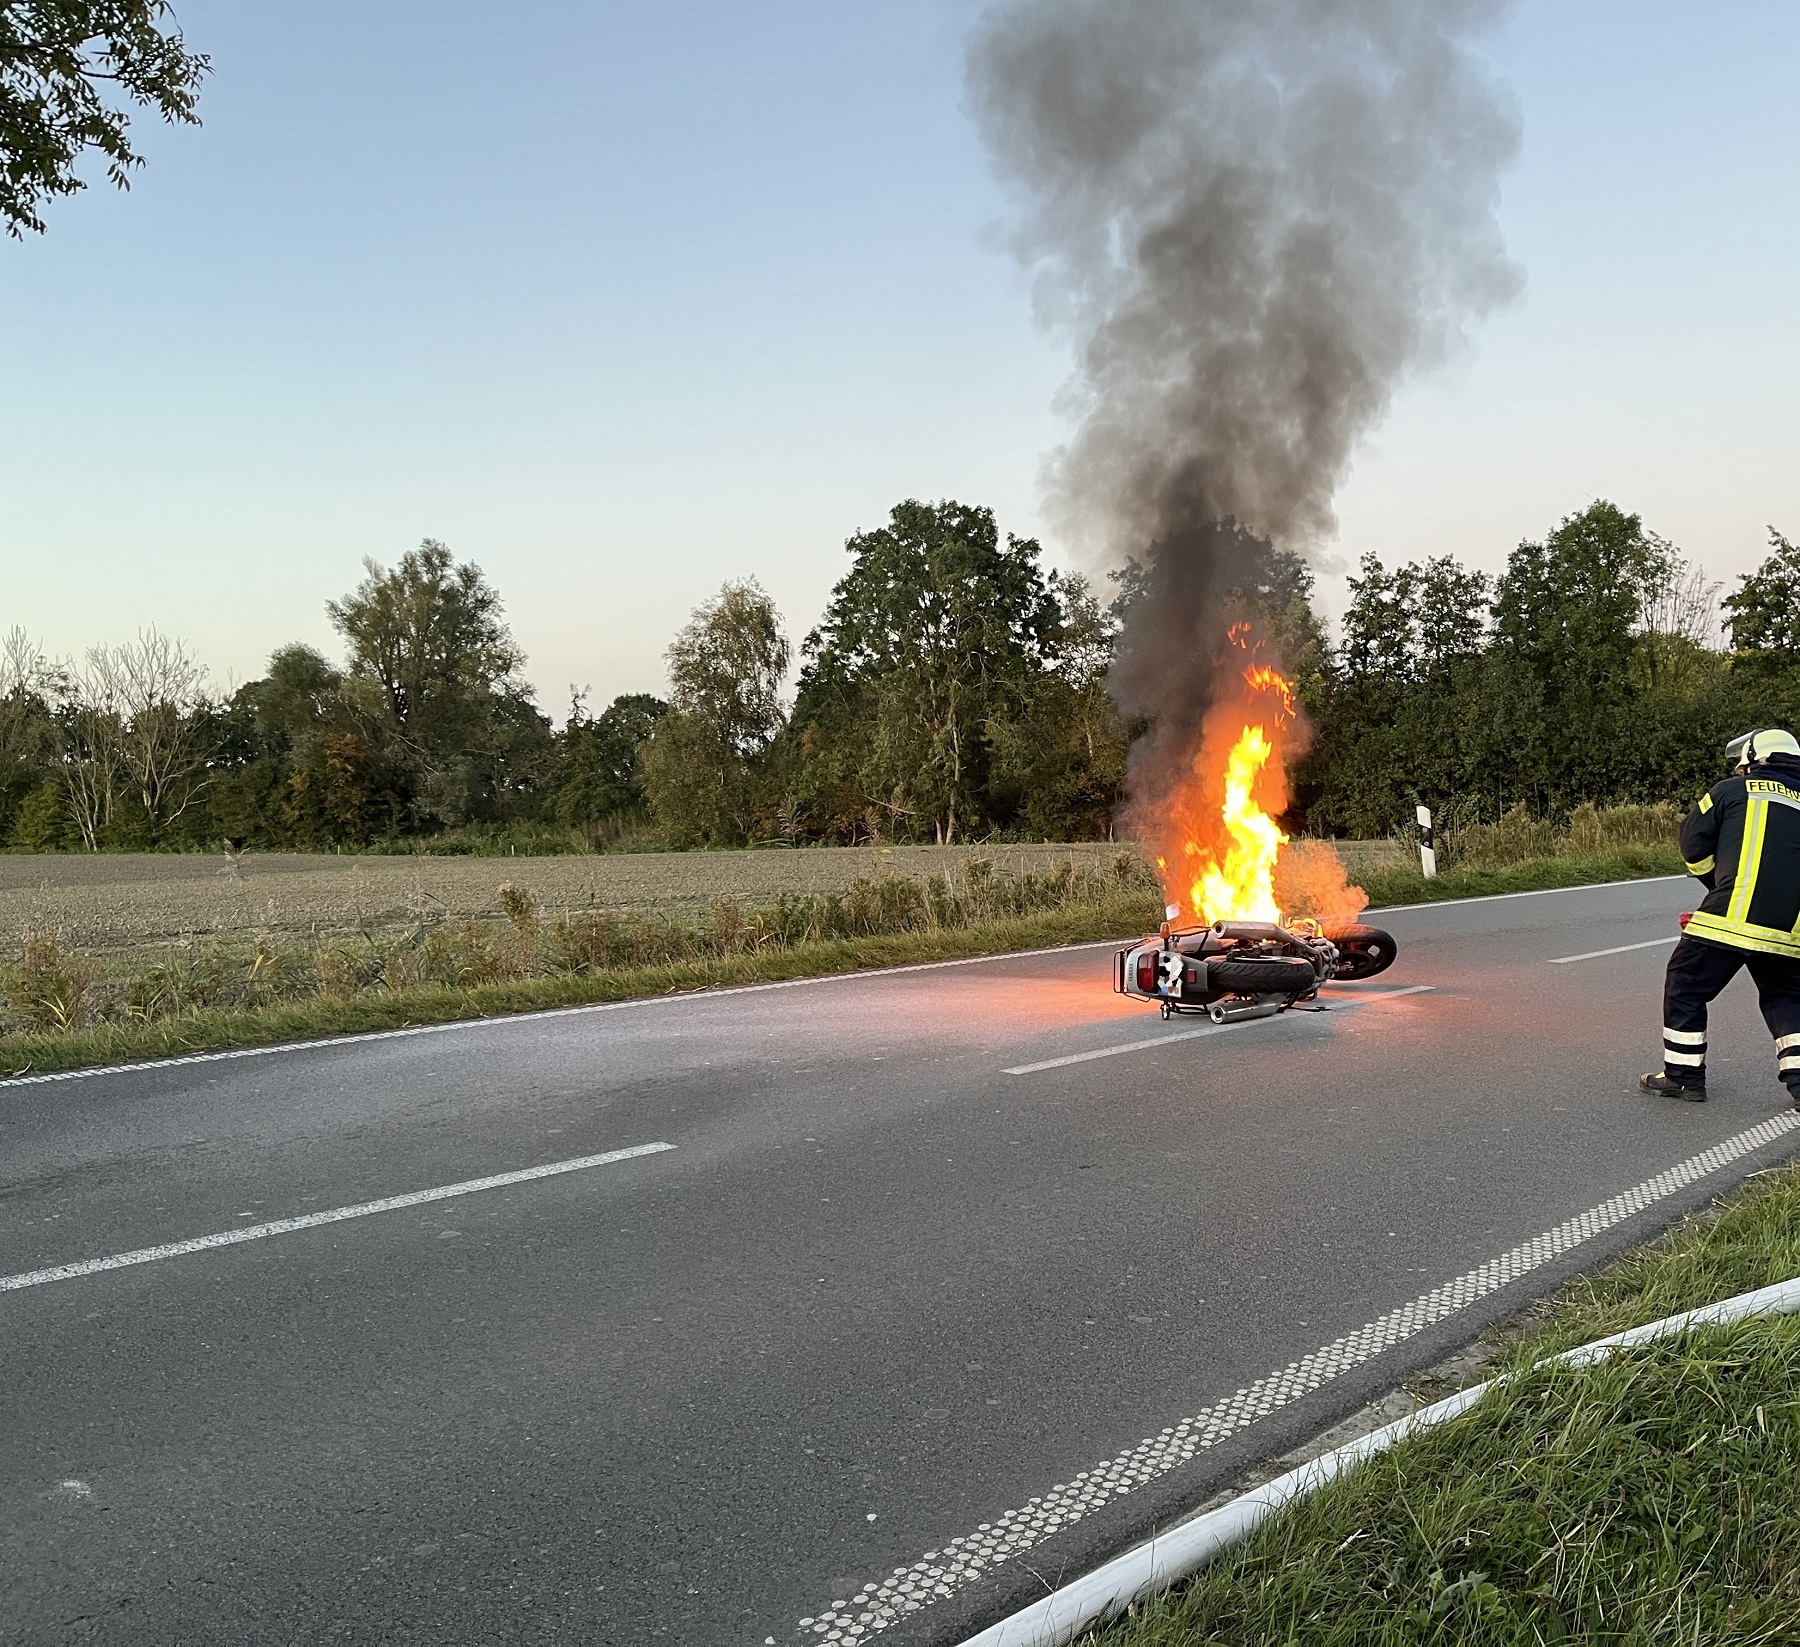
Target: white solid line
688,997
312,1220
1195,1034
1167,1558
1006,1537
1541,892
1622,949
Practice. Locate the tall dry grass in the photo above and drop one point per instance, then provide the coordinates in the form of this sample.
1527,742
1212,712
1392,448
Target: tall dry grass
55,989
1590,832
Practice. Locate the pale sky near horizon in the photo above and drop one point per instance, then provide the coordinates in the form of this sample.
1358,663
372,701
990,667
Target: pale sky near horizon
627,301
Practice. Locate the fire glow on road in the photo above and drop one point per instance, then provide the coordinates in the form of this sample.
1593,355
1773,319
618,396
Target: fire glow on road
1209,1029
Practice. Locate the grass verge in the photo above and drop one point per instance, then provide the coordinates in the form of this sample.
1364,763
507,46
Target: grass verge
1388,889
1646,1499
210,1030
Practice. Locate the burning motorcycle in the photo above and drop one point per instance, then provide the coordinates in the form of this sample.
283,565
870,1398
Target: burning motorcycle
1234,970
1218,848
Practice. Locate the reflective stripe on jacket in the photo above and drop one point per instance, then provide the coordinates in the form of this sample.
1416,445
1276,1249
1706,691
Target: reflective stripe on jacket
1743,842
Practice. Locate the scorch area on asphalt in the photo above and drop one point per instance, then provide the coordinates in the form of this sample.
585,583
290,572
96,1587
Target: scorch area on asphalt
879,1294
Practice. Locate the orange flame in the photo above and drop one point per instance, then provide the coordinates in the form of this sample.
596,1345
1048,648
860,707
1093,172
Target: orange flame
1238,883
1262,678
1220,850
1241,887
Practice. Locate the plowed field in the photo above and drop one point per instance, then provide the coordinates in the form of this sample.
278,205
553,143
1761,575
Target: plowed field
112,902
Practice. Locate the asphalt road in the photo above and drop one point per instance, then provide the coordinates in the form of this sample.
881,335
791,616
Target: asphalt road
878,1297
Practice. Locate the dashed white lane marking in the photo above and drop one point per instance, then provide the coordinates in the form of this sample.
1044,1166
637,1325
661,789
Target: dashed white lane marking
1622,949
883,1603
1195,1034
312,1220
687,998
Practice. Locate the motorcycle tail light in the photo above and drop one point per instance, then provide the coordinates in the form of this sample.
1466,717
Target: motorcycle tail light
1146,972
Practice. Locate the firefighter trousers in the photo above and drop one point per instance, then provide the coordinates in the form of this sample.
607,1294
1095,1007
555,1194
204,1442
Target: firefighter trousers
1697,972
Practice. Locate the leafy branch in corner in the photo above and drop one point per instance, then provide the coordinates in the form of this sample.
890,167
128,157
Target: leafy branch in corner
69,71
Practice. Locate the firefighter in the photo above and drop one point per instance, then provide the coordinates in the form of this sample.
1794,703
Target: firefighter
1743,843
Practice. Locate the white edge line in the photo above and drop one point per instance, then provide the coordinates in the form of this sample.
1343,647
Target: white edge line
1622,949
1540,892
312,1220
1010,1534
686,997
1195,1034
1189,1546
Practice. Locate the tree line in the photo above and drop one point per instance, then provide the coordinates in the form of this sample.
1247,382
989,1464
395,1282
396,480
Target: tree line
953,690
1600,665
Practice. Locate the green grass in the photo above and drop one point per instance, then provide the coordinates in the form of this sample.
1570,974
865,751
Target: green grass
208,1030
1650,1498
1389,889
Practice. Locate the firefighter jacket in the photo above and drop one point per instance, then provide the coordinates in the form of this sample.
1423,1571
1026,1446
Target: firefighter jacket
1743,842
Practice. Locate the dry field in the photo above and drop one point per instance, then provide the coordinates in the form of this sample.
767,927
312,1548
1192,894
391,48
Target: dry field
117,902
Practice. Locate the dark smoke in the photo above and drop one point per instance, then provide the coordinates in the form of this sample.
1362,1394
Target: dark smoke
1255,217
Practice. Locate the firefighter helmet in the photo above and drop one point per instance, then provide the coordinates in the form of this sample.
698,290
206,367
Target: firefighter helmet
1759,746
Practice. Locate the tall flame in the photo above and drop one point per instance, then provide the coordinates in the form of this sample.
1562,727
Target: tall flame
1242,886
1220,826
1222,855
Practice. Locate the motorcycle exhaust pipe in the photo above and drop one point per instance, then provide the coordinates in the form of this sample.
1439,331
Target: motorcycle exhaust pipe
1220,1013
1259,931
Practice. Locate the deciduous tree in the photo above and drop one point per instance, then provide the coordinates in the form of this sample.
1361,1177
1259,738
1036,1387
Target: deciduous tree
1764,610
69,72
429,636
937,632
157,692
705,764
599,779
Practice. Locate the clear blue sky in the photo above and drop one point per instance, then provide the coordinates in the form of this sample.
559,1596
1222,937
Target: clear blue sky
621,301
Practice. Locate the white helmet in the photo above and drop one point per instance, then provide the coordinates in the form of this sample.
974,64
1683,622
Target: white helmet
1759,746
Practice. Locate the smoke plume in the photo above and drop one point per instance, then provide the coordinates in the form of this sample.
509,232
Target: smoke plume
1254,217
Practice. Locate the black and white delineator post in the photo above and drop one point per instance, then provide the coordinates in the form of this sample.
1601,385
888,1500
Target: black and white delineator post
1427,844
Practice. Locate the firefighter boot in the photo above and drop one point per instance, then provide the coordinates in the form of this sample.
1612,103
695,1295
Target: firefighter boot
1664,1085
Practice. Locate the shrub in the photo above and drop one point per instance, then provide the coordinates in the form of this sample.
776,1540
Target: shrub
43,823
339,977
519,907
49,989
583,944
1591,832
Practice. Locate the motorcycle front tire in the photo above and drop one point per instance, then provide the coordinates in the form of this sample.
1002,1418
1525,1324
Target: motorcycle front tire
1363,951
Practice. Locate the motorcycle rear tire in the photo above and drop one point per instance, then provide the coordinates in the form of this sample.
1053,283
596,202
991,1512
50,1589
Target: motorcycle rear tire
1363,951
1273,975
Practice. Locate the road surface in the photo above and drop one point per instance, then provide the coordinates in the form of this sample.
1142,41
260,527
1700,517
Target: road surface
952,1281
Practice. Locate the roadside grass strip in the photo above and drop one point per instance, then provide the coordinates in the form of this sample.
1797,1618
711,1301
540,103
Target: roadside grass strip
207,1037
294,1026
1404,889
314,1220
1641,1493
28,1056
963,1560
